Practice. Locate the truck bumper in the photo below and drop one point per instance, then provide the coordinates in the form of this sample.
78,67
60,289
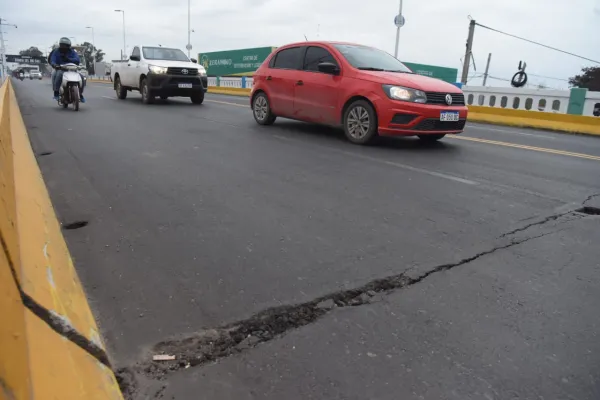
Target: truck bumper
176,85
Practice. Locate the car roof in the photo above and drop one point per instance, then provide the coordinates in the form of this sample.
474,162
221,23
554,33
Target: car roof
320,42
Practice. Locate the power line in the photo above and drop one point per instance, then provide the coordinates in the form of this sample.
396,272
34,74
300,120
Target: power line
539,44
548,77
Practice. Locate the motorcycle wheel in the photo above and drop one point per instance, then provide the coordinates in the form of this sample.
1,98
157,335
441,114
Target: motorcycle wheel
75,96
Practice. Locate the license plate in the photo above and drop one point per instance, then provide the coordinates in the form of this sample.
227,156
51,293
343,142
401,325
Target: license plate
189,86
449,116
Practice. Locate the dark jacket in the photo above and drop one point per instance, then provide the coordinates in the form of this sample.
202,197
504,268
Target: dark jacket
58,57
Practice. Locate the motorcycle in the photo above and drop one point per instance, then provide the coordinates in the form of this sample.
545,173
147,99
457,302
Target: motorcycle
70,87
21,76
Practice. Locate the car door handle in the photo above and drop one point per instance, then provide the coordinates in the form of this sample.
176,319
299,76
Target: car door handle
299,83
269,77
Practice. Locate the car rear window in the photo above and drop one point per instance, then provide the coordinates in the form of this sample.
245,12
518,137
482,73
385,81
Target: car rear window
289,58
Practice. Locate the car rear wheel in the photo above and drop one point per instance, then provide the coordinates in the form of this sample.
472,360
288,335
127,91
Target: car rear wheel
360,122
197,98
121,92
431,138
261,110
147,96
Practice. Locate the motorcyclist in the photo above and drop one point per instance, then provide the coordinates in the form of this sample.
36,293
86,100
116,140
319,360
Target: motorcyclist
64,54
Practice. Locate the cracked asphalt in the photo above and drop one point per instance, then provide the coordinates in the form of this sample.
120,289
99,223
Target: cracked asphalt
285,263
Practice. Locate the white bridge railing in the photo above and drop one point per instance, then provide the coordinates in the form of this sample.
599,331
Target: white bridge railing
551,101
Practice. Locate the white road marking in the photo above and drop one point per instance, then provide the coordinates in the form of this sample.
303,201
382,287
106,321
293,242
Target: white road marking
390,163
108,97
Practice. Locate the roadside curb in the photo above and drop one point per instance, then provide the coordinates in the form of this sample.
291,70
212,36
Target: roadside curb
50,345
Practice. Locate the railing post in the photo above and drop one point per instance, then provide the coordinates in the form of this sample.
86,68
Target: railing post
576,101
243,82
218,81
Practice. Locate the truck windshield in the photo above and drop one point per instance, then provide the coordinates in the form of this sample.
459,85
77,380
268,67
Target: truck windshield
371,59
162,53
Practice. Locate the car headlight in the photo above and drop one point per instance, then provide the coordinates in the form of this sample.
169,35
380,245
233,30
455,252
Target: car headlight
157,70
201,70
405,94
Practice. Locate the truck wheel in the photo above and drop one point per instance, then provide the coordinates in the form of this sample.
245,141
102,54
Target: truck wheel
121,92
147,97
197,98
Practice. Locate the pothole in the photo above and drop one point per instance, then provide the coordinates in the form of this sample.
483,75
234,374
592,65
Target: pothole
75,225
46,153
589,210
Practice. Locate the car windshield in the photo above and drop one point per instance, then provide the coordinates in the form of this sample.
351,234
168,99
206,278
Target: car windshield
371,59
162,53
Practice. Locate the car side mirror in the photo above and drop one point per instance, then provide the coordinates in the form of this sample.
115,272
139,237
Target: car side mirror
328,68
194,60
134,58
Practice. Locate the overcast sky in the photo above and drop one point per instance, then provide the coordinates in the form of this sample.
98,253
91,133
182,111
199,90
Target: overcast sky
435,30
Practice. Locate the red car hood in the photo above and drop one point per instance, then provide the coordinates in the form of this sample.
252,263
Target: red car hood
413,81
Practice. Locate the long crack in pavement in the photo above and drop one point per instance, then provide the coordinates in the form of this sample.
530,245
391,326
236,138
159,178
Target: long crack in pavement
210,345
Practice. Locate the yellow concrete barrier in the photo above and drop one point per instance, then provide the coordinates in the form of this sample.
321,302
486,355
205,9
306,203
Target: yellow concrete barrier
535,119
50,347
229,91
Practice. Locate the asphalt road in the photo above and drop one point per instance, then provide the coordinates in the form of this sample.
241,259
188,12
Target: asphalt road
285,263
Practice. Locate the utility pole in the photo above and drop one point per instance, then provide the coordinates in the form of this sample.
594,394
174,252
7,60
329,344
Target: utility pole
398,26
468,52
487,69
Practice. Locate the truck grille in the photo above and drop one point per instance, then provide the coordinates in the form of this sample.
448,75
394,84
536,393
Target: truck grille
458,99
433,124
180,71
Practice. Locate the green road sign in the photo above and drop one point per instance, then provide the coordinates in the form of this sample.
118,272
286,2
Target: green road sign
446,74
234,62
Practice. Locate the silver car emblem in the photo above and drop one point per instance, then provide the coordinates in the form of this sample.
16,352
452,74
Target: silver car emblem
185,72
448,99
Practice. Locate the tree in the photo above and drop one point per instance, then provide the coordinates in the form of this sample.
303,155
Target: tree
589,79
32,52
88,55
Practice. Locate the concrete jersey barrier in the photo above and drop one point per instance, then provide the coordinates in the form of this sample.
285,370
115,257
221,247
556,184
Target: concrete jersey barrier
50,347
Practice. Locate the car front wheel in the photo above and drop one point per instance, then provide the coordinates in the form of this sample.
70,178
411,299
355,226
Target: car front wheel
360,122
262,110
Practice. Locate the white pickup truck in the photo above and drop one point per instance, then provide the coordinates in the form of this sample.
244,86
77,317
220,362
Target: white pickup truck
160,71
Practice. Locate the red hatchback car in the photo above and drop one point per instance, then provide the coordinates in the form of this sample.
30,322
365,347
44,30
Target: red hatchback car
363,89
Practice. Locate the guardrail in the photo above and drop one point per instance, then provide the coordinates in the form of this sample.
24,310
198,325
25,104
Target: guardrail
50,346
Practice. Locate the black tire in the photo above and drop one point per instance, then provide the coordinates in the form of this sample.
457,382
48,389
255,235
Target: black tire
75,96
197,98
431,138
360,122
261,109
121,92
147,96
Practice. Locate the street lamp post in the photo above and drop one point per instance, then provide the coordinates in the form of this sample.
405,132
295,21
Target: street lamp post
124,43
189,44
94,51
399,24
3,49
